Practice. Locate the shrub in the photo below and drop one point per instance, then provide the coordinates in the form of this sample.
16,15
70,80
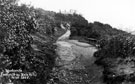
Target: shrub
17,23
117,57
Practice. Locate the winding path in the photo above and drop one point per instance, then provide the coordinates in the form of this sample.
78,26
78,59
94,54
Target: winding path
68,50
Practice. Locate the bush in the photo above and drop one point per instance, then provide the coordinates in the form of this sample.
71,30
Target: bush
17,23
117,57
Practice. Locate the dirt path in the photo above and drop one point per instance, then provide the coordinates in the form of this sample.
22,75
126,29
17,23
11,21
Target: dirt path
77,63
75,47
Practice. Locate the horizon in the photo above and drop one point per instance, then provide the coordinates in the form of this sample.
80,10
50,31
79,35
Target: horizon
119,14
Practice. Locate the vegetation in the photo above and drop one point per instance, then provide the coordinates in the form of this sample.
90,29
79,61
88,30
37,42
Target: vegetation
117,57
17,25
27,35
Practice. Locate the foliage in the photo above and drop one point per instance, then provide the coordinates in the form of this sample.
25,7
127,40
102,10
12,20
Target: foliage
117,57
17,24
74,19
24,26
105,30
45,19
50,22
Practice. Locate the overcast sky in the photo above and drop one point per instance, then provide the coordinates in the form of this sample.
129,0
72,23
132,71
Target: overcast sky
117,13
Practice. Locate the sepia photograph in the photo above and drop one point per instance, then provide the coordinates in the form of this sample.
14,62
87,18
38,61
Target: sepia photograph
67,41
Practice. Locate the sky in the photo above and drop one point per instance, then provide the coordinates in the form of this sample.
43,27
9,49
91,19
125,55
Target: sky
118,13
